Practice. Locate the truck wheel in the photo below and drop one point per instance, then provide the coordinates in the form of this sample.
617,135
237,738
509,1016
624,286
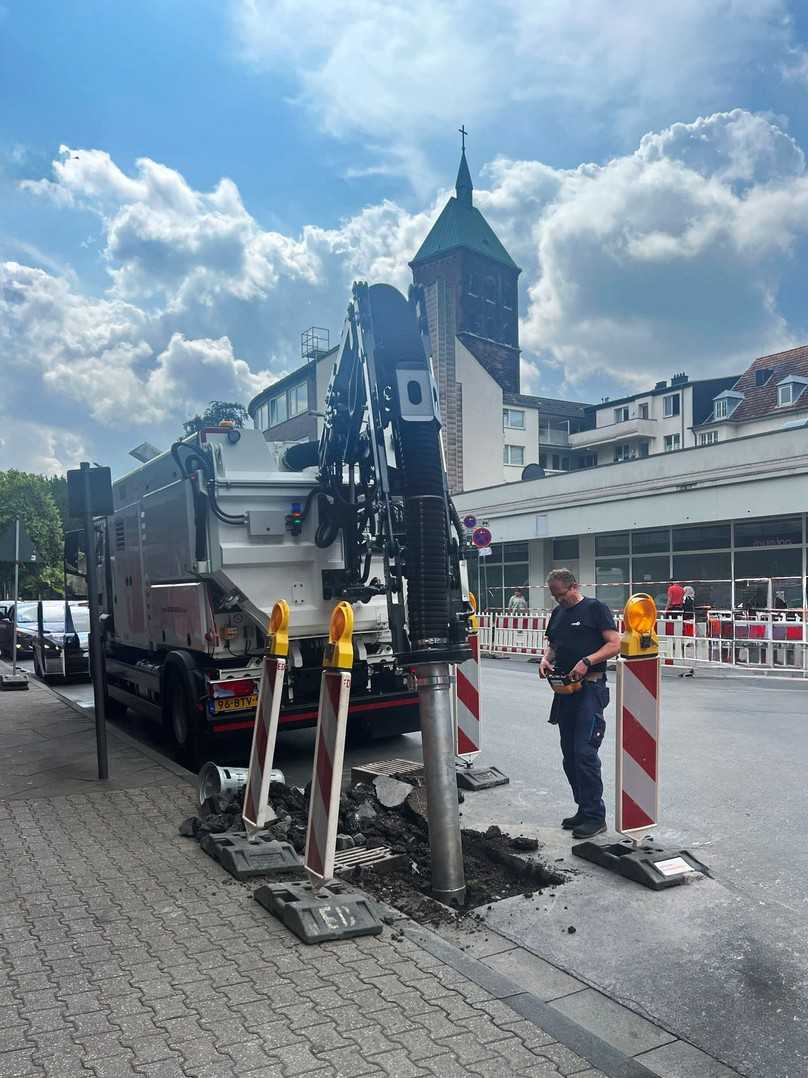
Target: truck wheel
181,724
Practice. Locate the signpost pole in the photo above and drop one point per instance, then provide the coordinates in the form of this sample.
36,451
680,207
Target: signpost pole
96,648
16,596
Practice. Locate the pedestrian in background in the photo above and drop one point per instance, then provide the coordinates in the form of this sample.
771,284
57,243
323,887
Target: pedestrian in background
676,597
581,636
689,603
517,604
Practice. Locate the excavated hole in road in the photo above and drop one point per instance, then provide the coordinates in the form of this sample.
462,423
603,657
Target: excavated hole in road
493,866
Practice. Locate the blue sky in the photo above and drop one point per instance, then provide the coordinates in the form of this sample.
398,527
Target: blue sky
228,167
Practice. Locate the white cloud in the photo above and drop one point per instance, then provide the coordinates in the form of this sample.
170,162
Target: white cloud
666,258
398,75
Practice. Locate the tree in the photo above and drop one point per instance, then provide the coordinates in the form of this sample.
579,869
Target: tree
29,497
213,415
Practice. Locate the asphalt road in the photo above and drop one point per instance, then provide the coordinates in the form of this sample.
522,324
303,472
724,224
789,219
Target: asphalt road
722,962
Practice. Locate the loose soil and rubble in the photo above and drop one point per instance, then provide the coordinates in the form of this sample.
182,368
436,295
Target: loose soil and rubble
391,813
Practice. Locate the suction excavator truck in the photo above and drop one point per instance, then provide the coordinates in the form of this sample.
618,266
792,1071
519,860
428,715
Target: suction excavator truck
205,538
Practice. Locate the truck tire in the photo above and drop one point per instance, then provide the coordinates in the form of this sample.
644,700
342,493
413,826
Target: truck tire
179,718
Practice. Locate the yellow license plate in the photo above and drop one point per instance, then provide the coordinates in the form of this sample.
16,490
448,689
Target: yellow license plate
236,703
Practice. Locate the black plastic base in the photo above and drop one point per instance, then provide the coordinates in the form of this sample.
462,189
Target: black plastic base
334,912
13,681
641,863
244,859
480,778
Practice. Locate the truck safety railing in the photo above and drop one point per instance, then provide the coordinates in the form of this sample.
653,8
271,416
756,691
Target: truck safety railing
772,642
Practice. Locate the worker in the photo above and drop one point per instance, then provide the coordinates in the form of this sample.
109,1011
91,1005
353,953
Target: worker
580,637
676,598
517,604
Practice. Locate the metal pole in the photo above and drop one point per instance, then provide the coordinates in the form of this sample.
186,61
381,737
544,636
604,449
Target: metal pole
16,596
96,650
437,737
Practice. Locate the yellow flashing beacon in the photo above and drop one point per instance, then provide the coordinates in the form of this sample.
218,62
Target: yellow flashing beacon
278,629
639,638
338,653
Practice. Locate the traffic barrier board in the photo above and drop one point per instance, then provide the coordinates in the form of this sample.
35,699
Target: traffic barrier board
637,749
257,810
469,718
326,779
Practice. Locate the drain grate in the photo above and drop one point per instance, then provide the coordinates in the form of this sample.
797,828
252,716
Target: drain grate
394,769
380,858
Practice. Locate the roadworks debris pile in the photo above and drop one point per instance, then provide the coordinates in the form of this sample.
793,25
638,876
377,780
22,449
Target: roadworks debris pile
391,813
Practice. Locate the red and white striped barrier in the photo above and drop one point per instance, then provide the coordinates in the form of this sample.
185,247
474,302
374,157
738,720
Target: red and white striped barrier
257,810
468,728
637,749
329,749
326,779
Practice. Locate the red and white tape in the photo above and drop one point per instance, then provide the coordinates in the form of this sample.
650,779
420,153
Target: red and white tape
257,810
637,756
468,729
326,779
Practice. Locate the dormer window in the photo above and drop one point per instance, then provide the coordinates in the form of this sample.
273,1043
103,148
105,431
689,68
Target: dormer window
790,390
726,403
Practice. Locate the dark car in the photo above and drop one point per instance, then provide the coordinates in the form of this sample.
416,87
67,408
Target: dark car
60,643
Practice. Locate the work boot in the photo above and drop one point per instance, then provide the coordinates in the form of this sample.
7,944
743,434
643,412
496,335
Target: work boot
572,821
589,828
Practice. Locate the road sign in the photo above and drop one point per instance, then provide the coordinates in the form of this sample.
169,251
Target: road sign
481,537
484,552
469,522
7,545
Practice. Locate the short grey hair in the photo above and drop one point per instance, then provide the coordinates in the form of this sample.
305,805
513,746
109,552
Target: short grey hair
563,576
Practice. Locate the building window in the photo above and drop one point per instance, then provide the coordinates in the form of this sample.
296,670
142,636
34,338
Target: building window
655,541
565,549
542,460
277,410
556,462
642,411
621,414
702,537
721,408
490,328
643,449
785,394
514,418
565,464
672,441
708,437
508,295
622,452
473,284
514,454
298,399
495,578
777,531
490,290
670,405
611,543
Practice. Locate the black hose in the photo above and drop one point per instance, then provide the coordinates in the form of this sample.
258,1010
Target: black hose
210,480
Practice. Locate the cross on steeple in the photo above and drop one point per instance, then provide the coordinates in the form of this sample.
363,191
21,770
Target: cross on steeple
463,133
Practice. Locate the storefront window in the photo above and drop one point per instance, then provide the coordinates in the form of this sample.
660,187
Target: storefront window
612,581
775,561
688,568
494,578
612,543
565,549
702,537
656,541
651,568
780,530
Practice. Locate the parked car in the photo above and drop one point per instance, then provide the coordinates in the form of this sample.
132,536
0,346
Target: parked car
61,640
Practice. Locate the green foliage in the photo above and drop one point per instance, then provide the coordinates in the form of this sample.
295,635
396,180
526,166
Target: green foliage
215,412
30,497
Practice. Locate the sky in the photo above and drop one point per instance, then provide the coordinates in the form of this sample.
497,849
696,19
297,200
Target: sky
187,185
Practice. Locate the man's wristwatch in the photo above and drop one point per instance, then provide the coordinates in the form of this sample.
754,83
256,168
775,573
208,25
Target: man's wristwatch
587,662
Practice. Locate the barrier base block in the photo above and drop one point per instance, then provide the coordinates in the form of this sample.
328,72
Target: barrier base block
649,864
480,778
14,681
334,911
243,859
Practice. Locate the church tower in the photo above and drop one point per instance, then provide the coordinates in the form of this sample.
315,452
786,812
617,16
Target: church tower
470,283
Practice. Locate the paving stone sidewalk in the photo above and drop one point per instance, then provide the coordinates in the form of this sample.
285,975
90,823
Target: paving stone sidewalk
125,951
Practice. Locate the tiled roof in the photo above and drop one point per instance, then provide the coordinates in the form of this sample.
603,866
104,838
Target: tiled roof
546,404
760,401
462,225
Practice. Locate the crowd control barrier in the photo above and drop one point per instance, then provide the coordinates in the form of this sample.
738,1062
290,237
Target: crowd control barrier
772,642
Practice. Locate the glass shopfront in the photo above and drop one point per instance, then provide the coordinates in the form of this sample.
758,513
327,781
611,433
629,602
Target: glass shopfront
495,577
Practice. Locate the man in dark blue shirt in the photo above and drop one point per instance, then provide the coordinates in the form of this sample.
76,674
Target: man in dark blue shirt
580,637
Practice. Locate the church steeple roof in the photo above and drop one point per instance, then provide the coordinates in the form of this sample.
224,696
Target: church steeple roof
461,225
463,184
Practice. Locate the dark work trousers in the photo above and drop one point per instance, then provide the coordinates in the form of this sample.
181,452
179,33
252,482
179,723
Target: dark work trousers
582,726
